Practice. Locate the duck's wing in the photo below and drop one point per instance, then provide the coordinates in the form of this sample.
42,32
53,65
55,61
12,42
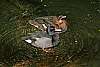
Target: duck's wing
36,24
42,22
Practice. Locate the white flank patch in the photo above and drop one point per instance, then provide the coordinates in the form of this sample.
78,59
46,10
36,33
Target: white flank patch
28,40
37,38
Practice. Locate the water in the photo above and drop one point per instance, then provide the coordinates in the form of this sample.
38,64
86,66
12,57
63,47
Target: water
79,46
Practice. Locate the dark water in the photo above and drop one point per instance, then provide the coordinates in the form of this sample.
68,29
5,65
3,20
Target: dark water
80,42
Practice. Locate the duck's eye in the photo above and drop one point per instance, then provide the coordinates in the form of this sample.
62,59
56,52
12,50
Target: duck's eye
56,24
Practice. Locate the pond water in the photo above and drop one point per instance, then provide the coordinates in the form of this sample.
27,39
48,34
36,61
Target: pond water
79,46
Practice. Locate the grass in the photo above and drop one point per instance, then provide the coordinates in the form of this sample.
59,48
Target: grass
78,45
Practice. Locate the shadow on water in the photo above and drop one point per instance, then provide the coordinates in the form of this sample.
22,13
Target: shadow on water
79,46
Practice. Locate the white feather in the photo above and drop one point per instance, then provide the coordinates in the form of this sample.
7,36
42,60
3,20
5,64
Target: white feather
57,29
44,26
28,40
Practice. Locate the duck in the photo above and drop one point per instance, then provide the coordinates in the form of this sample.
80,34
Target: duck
42,39
59,22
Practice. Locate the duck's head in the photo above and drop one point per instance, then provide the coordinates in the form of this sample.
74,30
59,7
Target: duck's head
61,23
